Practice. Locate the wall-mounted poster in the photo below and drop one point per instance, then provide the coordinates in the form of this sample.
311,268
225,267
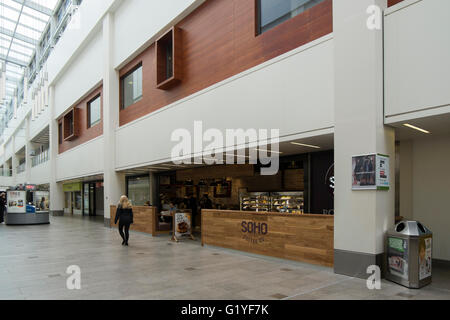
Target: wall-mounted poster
370,172
17,201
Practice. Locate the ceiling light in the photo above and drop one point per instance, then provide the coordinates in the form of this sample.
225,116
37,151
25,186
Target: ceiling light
271,151
305,145
416,128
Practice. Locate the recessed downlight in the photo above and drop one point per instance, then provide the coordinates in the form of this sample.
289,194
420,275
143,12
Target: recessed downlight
416,128
305,145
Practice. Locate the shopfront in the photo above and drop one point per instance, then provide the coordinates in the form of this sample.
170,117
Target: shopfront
287,215
84,198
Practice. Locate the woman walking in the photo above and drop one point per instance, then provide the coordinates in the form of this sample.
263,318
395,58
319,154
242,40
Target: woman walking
124,215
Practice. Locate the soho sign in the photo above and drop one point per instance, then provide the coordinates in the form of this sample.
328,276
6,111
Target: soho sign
254,232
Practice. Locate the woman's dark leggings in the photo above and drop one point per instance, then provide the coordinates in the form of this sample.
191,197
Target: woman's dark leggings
125,236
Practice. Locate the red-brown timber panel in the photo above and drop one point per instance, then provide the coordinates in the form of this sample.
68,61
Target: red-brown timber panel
393,2
219,41
85,134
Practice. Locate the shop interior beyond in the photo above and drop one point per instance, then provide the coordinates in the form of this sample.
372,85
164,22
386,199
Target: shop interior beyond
301,186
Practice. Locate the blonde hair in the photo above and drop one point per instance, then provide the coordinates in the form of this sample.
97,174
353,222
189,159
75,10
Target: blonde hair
124,203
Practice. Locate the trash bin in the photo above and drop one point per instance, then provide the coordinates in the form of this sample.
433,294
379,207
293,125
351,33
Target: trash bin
409,254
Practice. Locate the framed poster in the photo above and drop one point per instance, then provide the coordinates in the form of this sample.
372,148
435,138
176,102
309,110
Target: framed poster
370,172
182,225
17,201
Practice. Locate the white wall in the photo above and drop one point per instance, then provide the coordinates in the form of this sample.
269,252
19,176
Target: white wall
293,93
427,160
40,174
82,161
38,124
81,76
417,47
133,27
74,39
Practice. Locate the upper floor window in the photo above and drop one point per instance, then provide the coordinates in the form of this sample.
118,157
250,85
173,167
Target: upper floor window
131,85
274,12
94,111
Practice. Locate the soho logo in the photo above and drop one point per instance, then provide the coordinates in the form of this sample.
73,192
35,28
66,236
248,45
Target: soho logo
254,232
219,144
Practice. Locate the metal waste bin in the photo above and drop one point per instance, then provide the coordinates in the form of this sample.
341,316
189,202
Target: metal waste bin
409,254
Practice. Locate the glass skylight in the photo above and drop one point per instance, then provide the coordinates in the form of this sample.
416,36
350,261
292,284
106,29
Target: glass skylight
22,23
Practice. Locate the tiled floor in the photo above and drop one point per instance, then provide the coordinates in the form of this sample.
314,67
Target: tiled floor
34,259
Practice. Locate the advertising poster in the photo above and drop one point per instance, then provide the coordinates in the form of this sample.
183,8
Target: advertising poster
42,200
398,257
425,258
364,172
182,224
383,172
17,202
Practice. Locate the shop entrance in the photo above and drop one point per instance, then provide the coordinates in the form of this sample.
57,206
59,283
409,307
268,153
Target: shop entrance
93,199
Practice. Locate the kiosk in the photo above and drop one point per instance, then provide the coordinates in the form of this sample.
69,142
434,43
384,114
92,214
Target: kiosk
22,212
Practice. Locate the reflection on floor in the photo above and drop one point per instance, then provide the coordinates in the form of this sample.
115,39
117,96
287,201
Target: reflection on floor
34,260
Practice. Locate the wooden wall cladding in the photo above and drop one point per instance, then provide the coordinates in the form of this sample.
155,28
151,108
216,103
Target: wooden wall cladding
393,2
83,133
219,41
305,238
144,219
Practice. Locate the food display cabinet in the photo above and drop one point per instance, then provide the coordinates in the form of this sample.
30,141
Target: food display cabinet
288,202
256,201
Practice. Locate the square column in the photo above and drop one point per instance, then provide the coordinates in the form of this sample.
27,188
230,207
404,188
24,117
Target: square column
361,217
56,189
114,182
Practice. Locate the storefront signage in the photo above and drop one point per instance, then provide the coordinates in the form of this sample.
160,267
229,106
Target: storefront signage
254,232
370,172
30,187
72,187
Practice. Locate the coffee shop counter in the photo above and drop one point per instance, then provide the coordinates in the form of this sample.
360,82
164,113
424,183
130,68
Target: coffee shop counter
302,237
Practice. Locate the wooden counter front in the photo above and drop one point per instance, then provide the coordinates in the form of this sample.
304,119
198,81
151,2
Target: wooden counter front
305,238
144,219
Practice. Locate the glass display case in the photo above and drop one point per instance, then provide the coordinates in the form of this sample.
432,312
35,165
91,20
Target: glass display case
288,202
256,201
284,202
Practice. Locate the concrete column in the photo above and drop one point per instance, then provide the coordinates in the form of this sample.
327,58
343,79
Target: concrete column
28,149
114,182
56,189
15,161
361,217
153,195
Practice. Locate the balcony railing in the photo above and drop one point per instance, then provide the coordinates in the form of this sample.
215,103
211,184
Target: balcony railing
21,168
5,172
40,158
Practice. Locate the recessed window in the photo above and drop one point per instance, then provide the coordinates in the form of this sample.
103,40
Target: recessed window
70,125
94,111
131,87
274,12
168,59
